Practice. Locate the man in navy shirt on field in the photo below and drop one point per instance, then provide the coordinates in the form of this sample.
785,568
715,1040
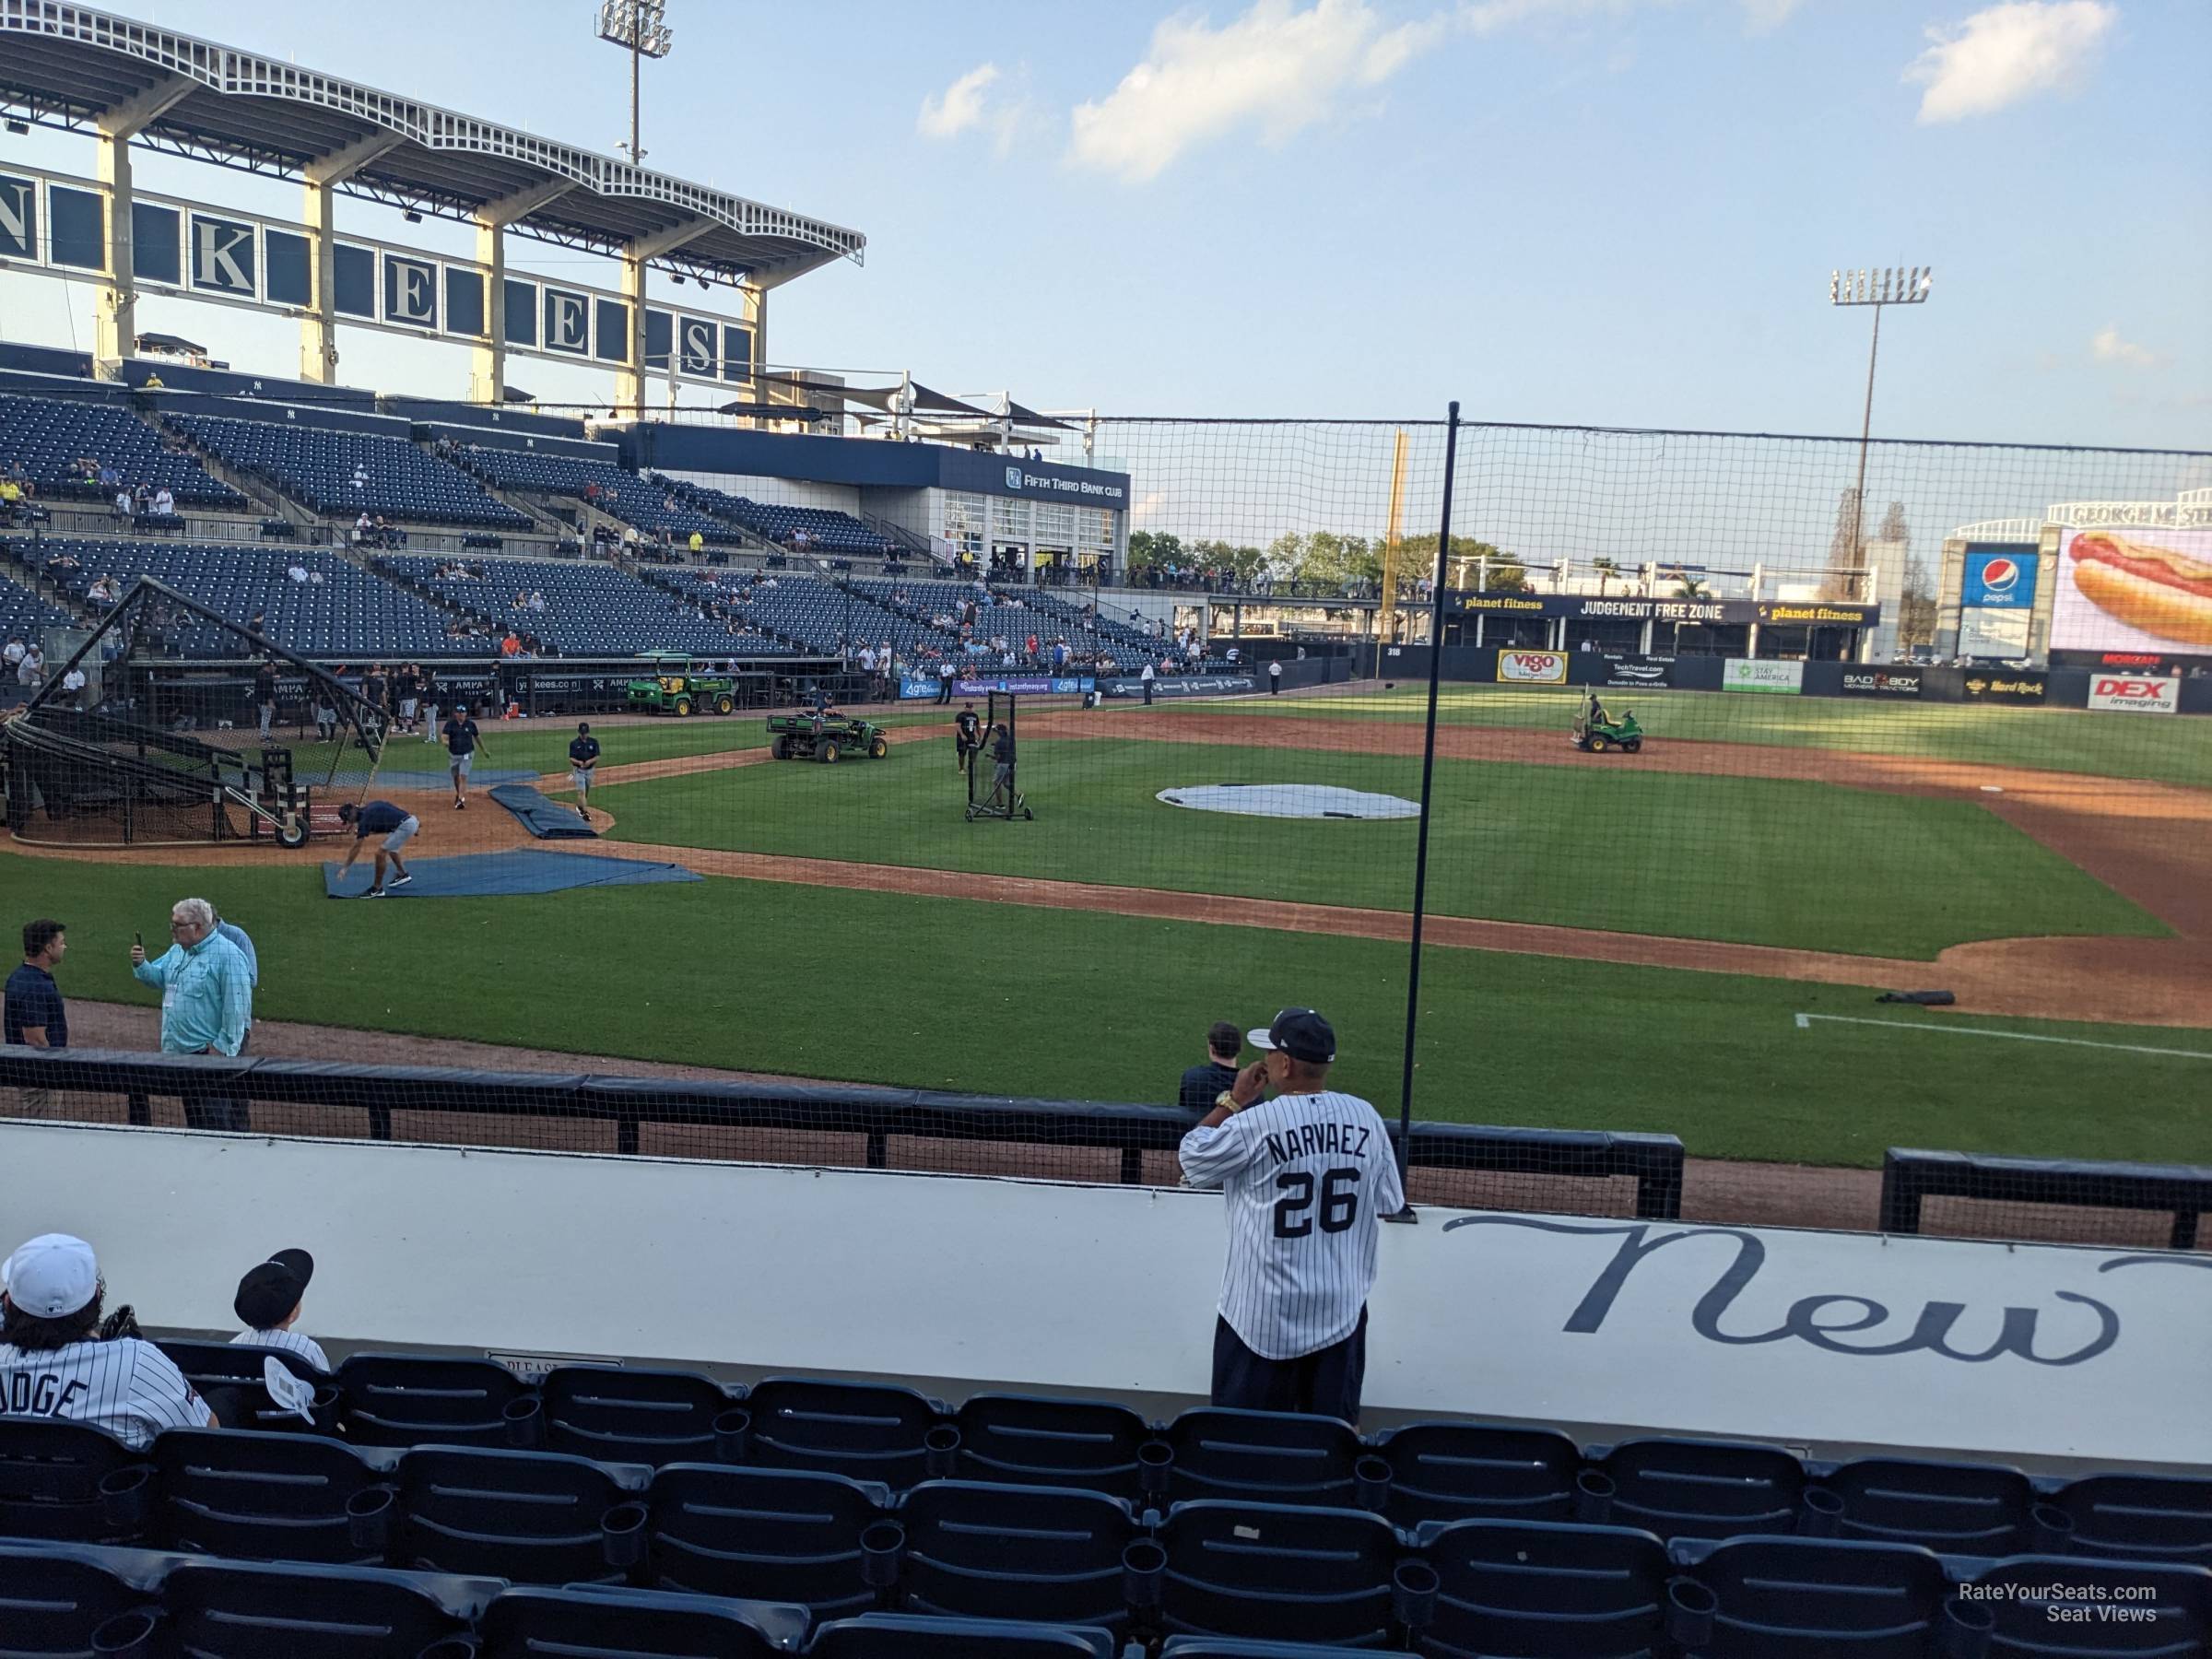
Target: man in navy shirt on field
34,1014
397,828
461,743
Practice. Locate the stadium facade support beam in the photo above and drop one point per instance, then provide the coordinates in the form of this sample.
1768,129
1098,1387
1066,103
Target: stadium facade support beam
629,380
115,329
318,323
488,372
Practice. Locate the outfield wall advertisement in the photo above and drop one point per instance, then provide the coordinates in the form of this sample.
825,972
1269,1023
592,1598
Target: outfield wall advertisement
1996,601
2147,591
2136,694
1531,668
1759,674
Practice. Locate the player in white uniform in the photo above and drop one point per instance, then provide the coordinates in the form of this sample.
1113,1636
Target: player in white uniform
1308,1176
54,1363
267,1304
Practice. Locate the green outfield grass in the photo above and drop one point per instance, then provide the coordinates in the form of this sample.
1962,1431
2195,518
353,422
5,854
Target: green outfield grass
1751,861
2076,740
956,995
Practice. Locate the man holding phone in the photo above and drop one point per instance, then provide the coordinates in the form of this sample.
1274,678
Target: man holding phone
206,1001
1308,1175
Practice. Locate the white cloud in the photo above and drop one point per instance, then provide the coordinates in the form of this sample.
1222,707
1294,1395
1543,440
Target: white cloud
2107,347
959,107
1149,509
1763,17
2007,53
1276,69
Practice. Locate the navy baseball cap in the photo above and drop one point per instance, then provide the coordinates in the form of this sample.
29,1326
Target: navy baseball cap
273,1290
1300,1033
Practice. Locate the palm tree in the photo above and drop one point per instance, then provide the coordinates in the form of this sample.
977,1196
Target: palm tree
1607,570
1692,587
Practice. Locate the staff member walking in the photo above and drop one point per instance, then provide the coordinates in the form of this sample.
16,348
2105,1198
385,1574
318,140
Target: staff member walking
462,741
584,759
1146,676
967,737
34,1016
1274,677
206,1001
1308,1176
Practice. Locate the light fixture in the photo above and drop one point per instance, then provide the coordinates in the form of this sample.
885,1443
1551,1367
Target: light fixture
19,127
412,217
676,277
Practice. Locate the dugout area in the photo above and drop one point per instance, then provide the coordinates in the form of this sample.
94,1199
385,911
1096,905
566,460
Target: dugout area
158,745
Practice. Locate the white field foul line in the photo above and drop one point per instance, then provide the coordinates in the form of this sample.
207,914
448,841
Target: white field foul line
1805,1022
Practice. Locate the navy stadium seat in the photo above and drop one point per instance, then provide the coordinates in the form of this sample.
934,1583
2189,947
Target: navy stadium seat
240,1368
1542,1590
870,1432
1465,1471
47,434
596,1623
1963,1509
229,1610
535,1517
1284,1571
776,1535
908,1636
1237,1647
262,1496
69,1482
826,530
1808,1598
318,465
591,608
1694,1488
53,1599
1038,1441
623,495
406,1400
2140,1517
1265,1457
990,1551
633,1416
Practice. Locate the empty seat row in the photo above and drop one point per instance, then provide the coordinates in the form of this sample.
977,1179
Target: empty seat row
591,608
1418,1473
956,1551
349,473
825,529
652,507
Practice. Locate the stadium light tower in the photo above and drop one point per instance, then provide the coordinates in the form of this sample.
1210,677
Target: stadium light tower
639,27
1893,285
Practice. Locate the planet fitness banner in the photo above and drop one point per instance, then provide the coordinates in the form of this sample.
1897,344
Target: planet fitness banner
1997,598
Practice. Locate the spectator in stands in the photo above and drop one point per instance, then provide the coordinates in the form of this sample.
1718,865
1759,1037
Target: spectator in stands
141,499
165,504
360,478
364,528
536,601
426,691
265,695
462,741
1290,1331
206,1001
109,479
511,644
30,673
153,384
696,544
122,503
11,655
34,1014
60,1356
396,827
73,688
268,1303
295,571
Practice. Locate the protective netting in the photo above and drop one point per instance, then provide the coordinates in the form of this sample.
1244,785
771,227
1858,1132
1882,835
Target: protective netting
1719,758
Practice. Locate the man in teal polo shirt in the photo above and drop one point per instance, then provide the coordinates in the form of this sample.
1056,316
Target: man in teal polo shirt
206,1001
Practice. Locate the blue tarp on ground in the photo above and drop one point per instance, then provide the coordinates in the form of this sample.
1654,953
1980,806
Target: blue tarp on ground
496,874
545,819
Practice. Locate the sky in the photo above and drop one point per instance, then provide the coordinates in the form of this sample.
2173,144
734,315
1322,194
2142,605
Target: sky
1613,212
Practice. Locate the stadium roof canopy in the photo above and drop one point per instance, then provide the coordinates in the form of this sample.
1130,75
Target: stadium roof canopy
70,66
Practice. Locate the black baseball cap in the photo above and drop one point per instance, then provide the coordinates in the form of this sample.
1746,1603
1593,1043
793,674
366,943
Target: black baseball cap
1300,1033
273,1290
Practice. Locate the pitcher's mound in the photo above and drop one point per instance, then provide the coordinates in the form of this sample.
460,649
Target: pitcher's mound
1290,800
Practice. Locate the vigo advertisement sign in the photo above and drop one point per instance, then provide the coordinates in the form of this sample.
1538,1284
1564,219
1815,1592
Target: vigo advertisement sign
2136,694
1532,668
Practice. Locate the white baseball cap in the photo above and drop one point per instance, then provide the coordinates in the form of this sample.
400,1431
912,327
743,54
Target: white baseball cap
53,1276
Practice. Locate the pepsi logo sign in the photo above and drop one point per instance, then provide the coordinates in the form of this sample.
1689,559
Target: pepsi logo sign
2001,575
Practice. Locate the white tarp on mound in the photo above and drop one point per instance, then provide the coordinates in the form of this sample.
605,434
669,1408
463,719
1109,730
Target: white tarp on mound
1290,800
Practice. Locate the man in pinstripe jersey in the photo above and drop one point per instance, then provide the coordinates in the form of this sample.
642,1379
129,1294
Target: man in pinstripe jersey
1308,1175
267,1304
54,1363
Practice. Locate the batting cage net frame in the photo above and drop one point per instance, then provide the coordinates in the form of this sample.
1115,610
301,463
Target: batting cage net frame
1000,799
1881,894
147,735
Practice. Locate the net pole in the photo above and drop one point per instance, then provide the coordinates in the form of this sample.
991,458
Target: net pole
1420,855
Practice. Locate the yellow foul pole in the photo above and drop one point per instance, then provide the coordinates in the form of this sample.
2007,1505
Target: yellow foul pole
1387,621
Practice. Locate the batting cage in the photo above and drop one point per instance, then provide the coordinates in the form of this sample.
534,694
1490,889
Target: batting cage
152,734
992,776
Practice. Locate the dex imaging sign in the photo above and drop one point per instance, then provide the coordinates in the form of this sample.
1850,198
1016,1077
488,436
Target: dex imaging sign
2136,694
